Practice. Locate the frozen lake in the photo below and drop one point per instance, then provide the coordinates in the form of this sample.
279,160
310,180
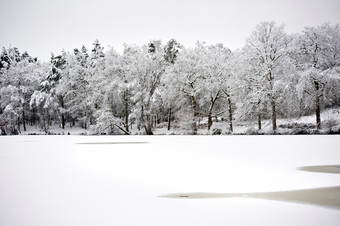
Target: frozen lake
138,180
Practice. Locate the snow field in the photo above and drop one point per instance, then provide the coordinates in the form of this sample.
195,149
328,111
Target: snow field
115,180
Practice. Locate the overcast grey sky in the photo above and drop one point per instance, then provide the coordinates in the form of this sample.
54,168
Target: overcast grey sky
45,26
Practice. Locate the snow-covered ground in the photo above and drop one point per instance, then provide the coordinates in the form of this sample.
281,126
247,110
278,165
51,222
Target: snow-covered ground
120,180
330,120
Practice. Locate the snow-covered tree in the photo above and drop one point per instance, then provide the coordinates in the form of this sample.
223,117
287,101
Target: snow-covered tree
186,76
75,86
97,53
48,100
268,46
217,79
169,95
50,84
318,59
251,94
274,75
4,59
147,68
114,84
18,82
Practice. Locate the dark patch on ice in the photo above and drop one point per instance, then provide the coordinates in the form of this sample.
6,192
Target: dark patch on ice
322,169
183,196
203,195
133,142
328,197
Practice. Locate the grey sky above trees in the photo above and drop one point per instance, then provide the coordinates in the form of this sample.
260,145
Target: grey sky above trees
45,26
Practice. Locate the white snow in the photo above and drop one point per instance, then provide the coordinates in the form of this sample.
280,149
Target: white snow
332,114
64,180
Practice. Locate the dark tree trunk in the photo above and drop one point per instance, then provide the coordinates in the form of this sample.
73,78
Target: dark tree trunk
23,117
317,111
272,102
194,124
125,132
259,122
148,131
148,127
317,105
169,118
230,115
212,103
62,113
209,121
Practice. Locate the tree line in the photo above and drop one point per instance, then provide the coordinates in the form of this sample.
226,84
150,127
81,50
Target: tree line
275,75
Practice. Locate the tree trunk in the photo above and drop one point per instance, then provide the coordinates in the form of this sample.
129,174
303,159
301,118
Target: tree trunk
62,113
18,124
194,124
169,118
125,132
148,127
209,121
148,131
212,103
317,106
259,122
272,102
209,116
23,117
146,122
230,115
126,113
317,111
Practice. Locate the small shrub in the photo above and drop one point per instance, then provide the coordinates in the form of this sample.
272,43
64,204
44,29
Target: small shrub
334,130
216,131
3,131
227,132
253,131
300,128
329,124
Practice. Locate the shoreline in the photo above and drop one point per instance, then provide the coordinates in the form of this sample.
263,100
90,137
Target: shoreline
328,197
